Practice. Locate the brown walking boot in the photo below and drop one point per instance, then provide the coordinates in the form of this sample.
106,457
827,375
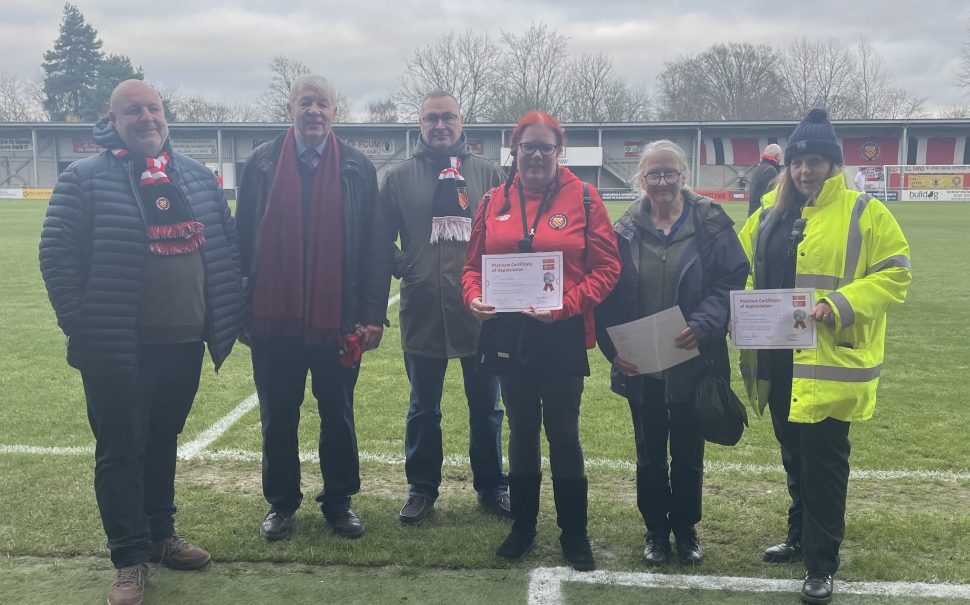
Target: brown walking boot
175,553
129,587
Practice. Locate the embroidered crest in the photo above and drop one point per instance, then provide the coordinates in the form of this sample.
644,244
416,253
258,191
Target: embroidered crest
163,204
503,217
558,221
463,198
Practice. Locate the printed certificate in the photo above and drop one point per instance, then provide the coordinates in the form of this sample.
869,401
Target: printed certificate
516,282
773,319
648,342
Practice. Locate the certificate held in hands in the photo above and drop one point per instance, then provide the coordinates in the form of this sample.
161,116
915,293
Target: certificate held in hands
773,319
518,282
648,342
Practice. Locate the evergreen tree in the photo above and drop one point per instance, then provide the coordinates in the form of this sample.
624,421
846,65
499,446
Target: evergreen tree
71,68
113,70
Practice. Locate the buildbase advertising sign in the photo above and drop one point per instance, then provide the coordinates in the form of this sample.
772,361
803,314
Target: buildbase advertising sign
937,195
930,183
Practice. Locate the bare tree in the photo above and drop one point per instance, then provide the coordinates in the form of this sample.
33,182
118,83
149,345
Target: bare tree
725,82
466,66
285,70
273,102
954,112
202,110
681,94
627,103
817,73
872,85
963,73
20,100
535,74
901,106
382,111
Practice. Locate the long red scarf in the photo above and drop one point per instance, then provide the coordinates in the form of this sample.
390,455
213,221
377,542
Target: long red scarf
293,298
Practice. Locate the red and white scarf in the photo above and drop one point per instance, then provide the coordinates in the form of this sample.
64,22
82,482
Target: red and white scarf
154,173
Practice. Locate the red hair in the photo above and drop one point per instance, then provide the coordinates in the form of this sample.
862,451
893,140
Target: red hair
533,118
538,118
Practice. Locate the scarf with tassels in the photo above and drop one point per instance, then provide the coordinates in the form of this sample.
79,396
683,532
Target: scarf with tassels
169,225
452,219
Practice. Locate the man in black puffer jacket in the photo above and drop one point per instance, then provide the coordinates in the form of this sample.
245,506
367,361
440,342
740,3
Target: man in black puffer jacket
138,253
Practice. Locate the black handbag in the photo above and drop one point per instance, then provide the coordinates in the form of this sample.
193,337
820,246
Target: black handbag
719,412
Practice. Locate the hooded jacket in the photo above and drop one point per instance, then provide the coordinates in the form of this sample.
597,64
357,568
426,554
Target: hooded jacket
712,265
855,257
93,249
434,320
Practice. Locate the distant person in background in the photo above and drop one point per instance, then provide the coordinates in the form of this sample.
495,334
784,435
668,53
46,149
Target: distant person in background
763,178
677,249
848,247
432,198
860,180
218,177
316,257
139,257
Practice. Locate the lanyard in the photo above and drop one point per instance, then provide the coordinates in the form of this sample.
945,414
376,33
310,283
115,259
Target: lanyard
525,244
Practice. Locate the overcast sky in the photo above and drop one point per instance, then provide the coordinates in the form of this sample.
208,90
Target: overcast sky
220,49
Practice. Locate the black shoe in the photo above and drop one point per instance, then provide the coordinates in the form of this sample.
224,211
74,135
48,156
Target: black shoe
516,545
786,552
276,526
817,589
345,523
577,551
689,551
500,506
416,510
657,550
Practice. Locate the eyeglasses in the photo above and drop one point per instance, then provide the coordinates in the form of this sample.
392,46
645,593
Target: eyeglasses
432,118
545,149
654,178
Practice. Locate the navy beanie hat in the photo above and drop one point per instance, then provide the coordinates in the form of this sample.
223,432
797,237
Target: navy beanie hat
814,135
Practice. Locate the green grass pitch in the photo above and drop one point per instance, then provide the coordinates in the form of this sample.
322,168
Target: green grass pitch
911,524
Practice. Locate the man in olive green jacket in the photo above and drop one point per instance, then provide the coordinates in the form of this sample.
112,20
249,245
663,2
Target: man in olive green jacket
433,196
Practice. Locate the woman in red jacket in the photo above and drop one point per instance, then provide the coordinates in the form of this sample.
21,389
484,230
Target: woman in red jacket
541,208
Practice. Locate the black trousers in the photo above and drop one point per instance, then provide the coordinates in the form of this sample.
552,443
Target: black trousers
136,422
280,367
669,497
816,461
530,404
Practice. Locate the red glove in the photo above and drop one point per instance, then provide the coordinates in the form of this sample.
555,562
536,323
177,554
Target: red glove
351,349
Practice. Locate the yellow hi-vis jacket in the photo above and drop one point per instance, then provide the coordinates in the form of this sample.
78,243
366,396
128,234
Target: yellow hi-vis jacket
856,258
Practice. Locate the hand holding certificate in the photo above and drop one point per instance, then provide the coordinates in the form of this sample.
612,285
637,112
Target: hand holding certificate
773,319
648,342
520,282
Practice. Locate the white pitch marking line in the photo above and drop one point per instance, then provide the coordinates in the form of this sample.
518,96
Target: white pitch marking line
47,451
545,584
198,445
195,447
454,460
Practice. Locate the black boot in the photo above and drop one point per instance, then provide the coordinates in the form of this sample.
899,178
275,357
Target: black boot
689,551
524,496
571,497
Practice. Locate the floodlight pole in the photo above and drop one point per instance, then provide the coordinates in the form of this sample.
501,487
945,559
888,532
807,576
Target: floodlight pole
33,147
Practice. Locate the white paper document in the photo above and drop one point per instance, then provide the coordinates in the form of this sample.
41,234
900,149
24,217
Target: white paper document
773,319
516,282
648,342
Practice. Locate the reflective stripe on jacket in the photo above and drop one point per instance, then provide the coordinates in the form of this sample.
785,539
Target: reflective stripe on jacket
856,258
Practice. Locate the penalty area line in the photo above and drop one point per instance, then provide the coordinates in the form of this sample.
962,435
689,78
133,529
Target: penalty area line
545,585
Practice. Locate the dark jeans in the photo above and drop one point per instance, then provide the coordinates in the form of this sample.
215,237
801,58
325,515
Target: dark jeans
668,496
532,403
136,422
816,461
422,440
280,367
